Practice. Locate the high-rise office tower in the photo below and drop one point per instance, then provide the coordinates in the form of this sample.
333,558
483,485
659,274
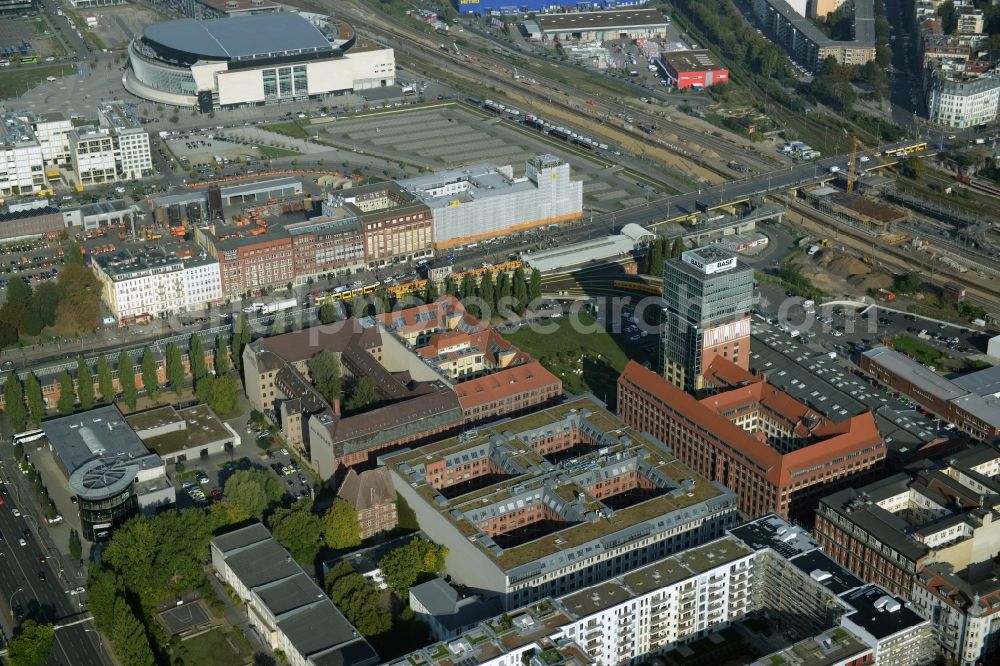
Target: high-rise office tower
708,299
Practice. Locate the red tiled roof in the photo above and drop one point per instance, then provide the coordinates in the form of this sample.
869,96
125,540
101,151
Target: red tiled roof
854,434
518,379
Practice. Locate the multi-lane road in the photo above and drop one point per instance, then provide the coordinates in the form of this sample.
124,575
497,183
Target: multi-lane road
31,581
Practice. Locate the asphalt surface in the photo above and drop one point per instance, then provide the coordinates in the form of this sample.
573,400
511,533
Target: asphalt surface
22,588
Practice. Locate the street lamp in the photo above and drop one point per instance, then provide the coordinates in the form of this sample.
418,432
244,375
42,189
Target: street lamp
100,639
20,589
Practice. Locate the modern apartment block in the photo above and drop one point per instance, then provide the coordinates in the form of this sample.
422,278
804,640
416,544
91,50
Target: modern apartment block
766,569
483,201
775,453
285,607
555,501
964,607
708,298
887,531
976,415
154,284
115,149
807,44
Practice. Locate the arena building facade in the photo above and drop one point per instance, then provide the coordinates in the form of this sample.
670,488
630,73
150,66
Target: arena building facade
253,60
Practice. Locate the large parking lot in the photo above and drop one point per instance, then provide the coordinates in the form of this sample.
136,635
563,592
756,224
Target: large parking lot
202,481
446,137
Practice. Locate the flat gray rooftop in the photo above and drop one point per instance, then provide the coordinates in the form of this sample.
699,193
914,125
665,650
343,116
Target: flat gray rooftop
100,432
239,36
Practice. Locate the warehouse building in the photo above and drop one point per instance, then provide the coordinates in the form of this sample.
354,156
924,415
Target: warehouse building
25,223
601,26
692,69
554,501
484,201
252,60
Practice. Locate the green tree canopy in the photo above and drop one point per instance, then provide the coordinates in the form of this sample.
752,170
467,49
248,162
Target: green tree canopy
535,285
105,380
225,394
365,393
32,645
67,395
175,368
221,360
327,313
84,383
36,403
299,531
13,398
196,358
126,380
906,283
340,525
405,565
150,380
249,493
129,637
324,369
358,598
241,338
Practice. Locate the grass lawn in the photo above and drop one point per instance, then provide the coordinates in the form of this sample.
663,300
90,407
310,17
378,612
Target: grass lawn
272,152
291,128
587,360
17,79
921,353
219,647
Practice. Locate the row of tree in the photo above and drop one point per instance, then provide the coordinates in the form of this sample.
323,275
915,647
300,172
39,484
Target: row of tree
25,403
488,294
658,251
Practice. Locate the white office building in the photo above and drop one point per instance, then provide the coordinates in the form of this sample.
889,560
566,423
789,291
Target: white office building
956,99
151,285
28,143
117,149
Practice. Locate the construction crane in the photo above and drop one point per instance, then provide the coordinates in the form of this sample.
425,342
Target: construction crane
852,168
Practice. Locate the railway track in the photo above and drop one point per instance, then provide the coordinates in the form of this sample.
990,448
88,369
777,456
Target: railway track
544,91
977,288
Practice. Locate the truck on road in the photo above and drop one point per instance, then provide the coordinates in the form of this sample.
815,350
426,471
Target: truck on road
278,305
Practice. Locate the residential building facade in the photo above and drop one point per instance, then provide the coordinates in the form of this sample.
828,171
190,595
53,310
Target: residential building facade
156,285
888,530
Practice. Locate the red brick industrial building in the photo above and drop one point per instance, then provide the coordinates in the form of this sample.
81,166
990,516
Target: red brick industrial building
774,452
